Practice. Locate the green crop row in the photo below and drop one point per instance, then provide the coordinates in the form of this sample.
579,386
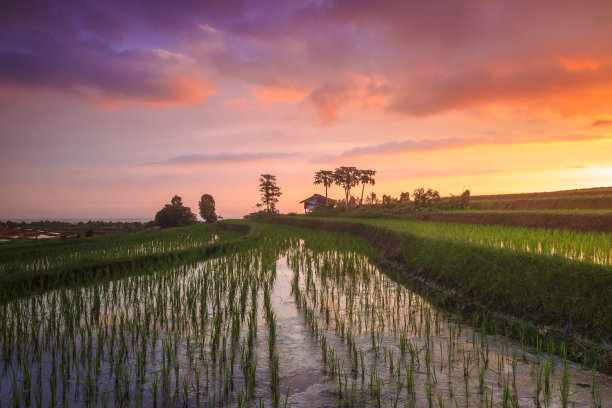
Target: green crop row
39,256
547,290
575,211
591,247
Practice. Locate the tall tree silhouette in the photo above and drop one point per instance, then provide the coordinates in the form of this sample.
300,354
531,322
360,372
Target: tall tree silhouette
347,178
325,177
269,191
366,177
207,208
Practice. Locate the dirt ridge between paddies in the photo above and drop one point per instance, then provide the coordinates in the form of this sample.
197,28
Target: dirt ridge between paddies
86,271
532,295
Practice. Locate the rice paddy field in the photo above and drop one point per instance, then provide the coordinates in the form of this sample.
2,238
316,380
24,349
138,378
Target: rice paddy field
593,247
582,199
287,317
21,260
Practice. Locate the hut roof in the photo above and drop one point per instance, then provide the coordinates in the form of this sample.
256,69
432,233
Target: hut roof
316,199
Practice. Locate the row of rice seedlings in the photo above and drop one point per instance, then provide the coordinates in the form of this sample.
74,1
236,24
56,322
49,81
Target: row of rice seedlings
335,300
156,337
594,246
34,256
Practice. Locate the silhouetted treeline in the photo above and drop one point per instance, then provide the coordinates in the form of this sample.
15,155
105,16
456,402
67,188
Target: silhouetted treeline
421,200
60,226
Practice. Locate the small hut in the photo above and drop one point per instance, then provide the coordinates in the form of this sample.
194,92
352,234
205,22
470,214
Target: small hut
314,201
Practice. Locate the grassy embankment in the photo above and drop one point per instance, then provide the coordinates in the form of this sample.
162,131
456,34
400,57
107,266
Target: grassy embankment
33,265
563,299
580,210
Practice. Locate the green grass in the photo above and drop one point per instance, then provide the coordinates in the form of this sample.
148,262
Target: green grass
591,247
575,211
566,202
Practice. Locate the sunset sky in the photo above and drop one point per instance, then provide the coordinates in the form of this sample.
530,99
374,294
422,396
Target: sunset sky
109,108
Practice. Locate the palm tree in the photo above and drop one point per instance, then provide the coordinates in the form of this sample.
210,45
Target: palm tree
347,178
325,177
366,177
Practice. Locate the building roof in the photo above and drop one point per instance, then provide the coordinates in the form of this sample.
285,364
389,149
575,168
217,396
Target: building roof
316,199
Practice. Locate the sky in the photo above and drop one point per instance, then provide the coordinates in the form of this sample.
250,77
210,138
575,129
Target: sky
110,108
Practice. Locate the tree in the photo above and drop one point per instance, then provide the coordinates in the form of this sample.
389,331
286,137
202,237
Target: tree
207,208
366,177
175,214
424,198
269,191
404,197
458,202
325,177
387,199
372,198
347,178
176,200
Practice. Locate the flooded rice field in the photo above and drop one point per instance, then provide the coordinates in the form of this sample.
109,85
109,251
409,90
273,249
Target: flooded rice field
277,325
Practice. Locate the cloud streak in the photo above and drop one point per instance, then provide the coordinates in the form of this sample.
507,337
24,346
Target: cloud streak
227,158
602,123
424,145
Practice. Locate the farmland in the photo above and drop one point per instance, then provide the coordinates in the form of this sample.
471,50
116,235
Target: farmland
578,210
284,316
27,260
593,247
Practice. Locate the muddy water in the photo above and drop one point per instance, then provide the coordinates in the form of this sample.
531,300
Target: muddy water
346,336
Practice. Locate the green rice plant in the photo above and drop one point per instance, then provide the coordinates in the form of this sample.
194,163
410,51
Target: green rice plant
564,385
481,386
538,386
592,247
428,394
154,388
440,401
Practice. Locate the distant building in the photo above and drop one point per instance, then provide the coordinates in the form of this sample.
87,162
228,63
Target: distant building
314,201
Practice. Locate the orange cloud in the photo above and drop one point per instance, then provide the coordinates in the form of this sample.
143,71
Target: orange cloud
235,102
360,92
275,94
602,123
550,90
580,64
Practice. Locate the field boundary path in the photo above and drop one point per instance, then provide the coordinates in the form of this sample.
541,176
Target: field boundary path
533,295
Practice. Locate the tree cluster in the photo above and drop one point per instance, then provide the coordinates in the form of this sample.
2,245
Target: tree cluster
175,214
347,178
422,198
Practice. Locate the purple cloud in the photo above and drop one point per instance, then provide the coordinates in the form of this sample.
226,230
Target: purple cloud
228,157
429,57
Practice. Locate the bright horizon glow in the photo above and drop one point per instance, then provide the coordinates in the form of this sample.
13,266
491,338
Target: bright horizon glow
109,109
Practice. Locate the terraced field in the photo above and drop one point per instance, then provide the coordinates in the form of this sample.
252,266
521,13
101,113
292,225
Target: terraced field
288,317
